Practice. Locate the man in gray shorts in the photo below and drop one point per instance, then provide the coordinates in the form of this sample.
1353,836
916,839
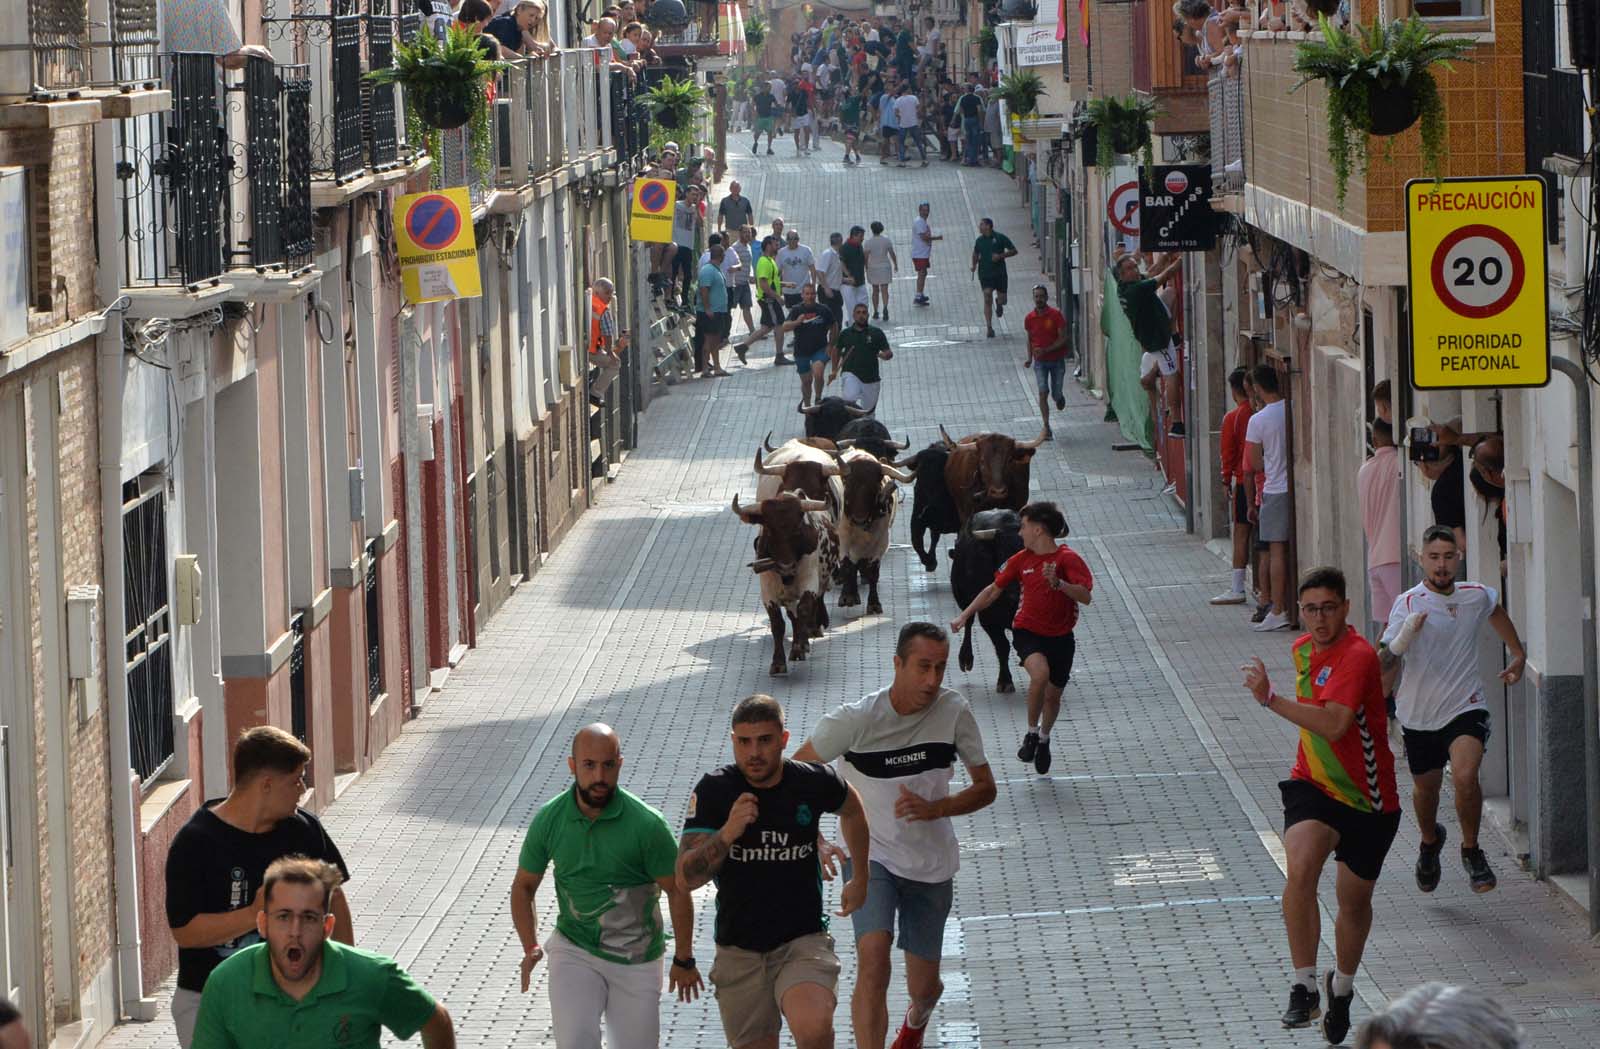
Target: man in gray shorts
1267,444
898,748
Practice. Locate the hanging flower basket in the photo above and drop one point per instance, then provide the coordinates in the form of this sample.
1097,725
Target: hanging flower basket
1392,109
447,86
443,110
675,104
1122,125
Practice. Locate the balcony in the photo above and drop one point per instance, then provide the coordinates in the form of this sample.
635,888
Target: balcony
1225,96
1165,67
214,193
46,48
1289,184
714,29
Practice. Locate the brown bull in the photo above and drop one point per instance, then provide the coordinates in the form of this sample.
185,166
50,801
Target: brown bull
796,554
807,476
988,471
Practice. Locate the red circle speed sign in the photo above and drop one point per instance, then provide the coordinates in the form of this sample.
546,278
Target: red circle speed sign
1477,271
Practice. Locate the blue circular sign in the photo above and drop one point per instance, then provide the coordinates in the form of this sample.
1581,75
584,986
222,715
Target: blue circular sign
434,222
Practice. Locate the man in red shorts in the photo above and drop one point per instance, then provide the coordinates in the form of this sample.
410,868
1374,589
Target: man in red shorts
922,238
1339,800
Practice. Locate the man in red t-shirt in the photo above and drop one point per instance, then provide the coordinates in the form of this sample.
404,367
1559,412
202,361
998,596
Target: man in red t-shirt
1234,468
1055,581
1339,800
1047,352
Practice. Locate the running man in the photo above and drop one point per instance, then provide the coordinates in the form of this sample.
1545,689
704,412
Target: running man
989,254
300,979
922,238
797,267
854,258
1055,581
898,747
1433,628
1339,800
810,321
614,856
856,353
1047,353
770,301
752,827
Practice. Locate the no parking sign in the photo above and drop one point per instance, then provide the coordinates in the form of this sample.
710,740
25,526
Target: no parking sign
437,248
1480,312
650,218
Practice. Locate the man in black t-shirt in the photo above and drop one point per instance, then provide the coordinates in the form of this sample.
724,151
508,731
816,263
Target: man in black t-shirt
218,862
752,827
970,106
766,117
811,322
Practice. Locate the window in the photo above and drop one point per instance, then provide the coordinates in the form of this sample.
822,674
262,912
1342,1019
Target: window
1443,8
147,645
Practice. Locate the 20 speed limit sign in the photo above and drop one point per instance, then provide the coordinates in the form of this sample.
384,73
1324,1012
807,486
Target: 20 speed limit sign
1479,301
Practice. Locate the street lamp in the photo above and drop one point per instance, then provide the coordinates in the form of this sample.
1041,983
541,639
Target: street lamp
667,15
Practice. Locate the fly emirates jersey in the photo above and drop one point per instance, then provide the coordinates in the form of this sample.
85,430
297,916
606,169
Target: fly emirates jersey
881,751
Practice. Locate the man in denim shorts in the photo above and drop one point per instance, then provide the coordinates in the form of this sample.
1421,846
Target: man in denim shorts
898,747
1047,353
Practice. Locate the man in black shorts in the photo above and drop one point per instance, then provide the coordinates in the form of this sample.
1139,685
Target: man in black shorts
1339,800
810,321
752,827
989,254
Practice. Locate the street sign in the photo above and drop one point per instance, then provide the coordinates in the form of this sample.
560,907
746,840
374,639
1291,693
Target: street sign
1175,209
1122,209
651,217
1480,311
436,245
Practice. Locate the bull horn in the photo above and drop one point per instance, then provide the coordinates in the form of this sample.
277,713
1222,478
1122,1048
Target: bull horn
948,442
767,443
830,469
903,476
899,446
984,533
1036,442
744,515
767,471
855,409
848,442
808,409
813,504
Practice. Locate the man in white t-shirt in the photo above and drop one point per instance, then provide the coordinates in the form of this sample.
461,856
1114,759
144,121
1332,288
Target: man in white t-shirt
1434,629
831,269
922,238
1266,439
796,267
908,115
898,748
780,95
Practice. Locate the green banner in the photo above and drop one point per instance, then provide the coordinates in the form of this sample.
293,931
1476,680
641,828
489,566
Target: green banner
1123,392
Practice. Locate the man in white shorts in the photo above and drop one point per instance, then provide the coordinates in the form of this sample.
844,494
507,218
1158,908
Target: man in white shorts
856,353
853,257
1433,628
898,748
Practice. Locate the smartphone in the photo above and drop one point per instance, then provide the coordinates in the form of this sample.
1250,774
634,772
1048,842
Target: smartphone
1423,445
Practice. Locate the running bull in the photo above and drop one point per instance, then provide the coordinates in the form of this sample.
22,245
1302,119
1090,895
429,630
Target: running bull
870,435
865,493
795,466
988,471
933,508
797,553
830,415
991,539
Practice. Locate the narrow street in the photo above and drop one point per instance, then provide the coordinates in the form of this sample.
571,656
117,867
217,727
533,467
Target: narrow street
1130,898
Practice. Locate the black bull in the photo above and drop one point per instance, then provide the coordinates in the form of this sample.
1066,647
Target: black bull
980,551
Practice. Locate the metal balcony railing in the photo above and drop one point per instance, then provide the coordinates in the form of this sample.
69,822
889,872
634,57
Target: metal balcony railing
58,45
382,117
135,38
331,34
171,169
630,120
274,188
1226,97
297,235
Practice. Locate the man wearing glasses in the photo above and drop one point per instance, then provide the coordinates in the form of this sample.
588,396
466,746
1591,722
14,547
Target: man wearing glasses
302,988
218,861
1340,799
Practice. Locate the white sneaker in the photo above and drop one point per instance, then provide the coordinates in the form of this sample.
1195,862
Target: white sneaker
1274,621
1229,597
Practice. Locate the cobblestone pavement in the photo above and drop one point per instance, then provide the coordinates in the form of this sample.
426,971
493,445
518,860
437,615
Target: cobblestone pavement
1130,898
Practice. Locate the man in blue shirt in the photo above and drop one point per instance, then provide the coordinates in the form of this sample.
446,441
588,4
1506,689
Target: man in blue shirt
712,320
888,125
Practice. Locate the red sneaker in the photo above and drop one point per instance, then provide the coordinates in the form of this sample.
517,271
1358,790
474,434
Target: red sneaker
909,1037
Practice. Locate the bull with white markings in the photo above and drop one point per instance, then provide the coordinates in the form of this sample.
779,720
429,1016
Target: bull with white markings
795,466
866,496
797,553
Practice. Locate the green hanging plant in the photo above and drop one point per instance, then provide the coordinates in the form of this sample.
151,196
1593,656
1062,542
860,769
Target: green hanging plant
446,86
1122,125
674,104
1379,83
988,43
755,32
1020,91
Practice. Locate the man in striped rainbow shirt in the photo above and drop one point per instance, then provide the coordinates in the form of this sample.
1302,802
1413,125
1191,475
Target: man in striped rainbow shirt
1340,799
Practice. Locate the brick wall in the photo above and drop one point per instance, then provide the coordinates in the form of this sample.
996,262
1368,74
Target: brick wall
61,207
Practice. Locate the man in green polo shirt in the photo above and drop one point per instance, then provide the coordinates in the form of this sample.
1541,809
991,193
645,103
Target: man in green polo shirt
301,988
856,353
614,856
989,254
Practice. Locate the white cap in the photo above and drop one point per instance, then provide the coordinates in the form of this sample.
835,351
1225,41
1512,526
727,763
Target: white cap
670,147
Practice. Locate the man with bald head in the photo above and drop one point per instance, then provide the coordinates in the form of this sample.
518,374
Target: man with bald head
614,856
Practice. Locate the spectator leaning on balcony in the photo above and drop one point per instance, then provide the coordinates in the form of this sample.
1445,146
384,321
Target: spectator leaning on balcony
475,17
518,29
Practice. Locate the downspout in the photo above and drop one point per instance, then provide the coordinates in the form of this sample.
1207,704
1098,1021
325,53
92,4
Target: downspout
1591,658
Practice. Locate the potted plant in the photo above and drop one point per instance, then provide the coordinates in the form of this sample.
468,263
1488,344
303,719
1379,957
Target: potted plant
1122,125
1379,83
675,103
988,43
1020,91
755,32
446,86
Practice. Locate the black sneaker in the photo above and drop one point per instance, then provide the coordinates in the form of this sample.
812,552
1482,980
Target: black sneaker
1030,744
1305,1005
1336,1021
1478,872
1061,403
1260,613
1041,757
1428,861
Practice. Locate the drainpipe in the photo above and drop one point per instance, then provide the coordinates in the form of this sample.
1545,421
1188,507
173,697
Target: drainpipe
1591,658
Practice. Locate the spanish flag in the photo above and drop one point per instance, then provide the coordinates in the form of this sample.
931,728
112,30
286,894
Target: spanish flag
1083,22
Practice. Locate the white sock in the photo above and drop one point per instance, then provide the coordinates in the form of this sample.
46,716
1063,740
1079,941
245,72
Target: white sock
1238,580
911,1023
1306,977
1033,729
1044,735
1343,984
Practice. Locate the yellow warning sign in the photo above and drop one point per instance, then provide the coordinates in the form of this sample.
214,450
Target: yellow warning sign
437,247
651,217
1480,312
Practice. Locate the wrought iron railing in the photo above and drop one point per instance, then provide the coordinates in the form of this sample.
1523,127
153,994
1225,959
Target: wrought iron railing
261,93
135,39
383,142
630,119
297,226
147,643
331,34
1226,96
58,40
374,617
172,181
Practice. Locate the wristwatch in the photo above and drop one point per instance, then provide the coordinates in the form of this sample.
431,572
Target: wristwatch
683,963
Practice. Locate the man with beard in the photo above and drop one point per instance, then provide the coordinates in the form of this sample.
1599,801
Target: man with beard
752,826
614,856
856,353
305,988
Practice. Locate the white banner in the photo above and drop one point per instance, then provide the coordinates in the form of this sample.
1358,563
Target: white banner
1037,45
